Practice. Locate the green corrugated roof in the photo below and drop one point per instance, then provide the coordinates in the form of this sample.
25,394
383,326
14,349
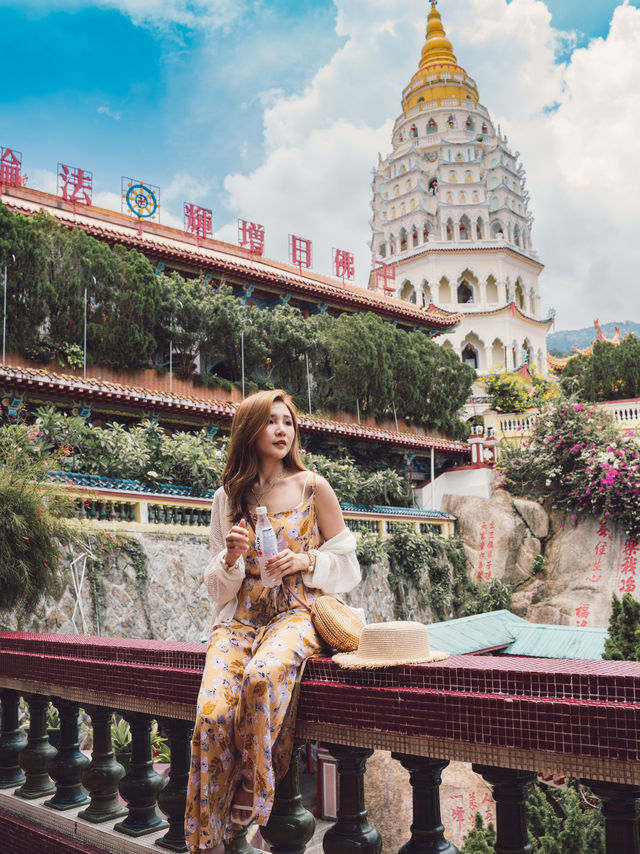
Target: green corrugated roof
558,642
476,633
516,636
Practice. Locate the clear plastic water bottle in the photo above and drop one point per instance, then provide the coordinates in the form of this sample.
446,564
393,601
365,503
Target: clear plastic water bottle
266,545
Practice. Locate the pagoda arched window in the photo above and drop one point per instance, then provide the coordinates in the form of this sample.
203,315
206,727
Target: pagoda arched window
382,251
425,232
453,177
465,228
450,198
414,236
459,157
409,185
465,292
403,208
414,131
393,213
468,176
432,126
469,123
476,197
449,230
479,228
396,190
462,198
403,239
470,356
451,121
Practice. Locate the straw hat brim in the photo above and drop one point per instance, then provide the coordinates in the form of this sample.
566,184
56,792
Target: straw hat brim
353,661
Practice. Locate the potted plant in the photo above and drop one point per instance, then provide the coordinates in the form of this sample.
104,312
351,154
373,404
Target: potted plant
121,740
53,725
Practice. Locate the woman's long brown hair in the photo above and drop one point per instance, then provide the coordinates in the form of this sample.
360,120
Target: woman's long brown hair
241,469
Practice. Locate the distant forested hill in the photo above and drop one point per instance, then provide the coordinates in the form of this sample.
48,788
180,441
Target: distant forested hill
561,343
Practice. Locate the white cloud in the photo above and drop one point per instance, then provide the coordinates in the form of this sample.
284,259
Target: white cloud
574,122
106,111
208,15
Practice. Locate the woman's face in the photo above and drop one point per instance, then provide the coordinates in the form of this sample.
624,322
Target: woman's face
275,441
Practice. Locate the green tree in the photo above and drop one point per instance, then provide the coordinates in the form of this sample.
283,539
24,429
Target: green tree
559,821
28,290
480,839
623,640
186,319
610,373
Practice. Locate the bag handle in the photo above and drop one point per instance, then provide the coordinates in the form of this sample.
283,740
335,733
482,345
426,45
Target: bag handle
295,595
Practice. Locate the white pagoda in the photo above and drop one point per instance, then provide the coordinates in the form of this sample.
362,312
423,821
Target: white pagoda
451,218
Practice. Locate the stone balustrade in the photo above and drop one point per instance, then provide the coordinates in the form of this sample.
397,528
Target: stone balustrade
510,717
117,503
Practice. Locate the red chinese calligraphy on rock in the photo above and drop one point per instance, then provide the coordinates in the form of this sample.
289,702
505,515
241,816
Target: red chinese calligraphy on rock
300,251
198,220
10,167
582,614
251,236
343,265
457,814
627,585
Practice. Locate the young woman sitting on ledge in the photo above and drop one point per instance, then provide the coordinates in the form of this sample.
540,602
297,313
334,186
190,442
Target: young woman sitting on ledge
261,635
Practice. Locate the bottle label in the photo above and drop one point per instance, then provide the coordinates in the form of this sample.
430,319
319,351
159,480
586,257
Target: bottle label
266,543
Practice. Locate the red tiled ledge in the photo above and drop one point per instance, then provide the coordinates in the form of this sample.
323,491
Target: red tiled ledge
575,717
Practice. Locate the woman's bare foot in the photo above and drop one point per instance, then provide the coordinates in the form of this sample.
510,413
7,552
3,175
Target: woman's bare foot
242,808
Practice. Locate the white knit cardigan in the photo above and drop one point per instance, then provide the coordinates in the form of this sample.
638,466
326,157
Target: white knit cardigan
337,569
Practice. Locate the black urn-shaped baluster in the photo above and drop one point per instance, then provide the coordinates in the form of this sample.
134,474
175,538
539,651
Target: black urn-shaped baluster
12,741
352,833
141,785
290,825
37,754
100,777
172,800
66,768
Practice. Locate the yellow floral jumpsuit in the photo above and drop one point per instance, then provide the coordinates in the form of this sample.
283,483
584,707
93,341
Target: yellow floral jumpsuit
246,706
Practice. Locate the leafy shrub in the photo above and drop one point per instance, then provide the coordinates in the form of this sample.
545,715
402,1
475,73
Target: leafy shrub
369,549
31,527
577,460
509,392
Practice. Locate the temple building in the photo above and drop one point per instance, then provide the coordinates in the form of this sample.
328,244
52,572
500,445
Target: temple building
451,227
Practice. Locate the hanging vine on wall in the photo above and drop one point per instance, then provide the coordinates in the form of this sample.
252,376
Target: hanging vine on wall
436,568
105,554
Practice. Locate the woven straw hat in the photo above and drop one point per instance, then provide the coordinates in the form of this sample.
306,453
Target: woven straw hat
389,644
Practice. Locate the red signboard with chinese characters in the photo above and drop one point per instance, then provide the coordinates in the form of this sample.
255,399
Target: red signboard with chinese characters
300,251
385,273
251,236
74,184
10,167
343,265
198,221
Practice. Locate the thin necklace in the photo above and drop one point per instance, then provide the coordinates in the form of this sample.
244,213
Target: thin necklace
259,496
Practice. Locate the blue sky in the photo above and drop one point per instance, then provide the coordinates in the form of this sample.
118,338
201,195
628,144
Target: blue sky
276,111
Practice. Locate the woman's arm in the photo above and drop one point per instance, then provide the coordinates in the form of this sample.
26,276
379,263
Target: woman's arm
223,581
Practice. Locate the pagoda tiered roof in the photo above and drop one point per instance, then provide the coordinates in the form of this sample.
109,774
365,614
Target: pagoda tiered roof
257,276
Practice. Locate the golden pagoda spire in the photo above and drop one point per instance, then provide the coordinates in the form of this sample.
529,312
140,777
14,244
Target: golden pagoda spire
439,77
438,48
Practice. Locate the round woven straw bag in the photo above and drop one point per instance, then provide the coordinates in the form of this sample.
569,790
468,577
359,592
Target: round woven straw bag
336,623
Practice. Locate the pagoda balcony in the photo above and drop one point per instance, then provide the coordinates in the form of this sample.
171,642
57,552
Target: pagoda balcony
513,718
